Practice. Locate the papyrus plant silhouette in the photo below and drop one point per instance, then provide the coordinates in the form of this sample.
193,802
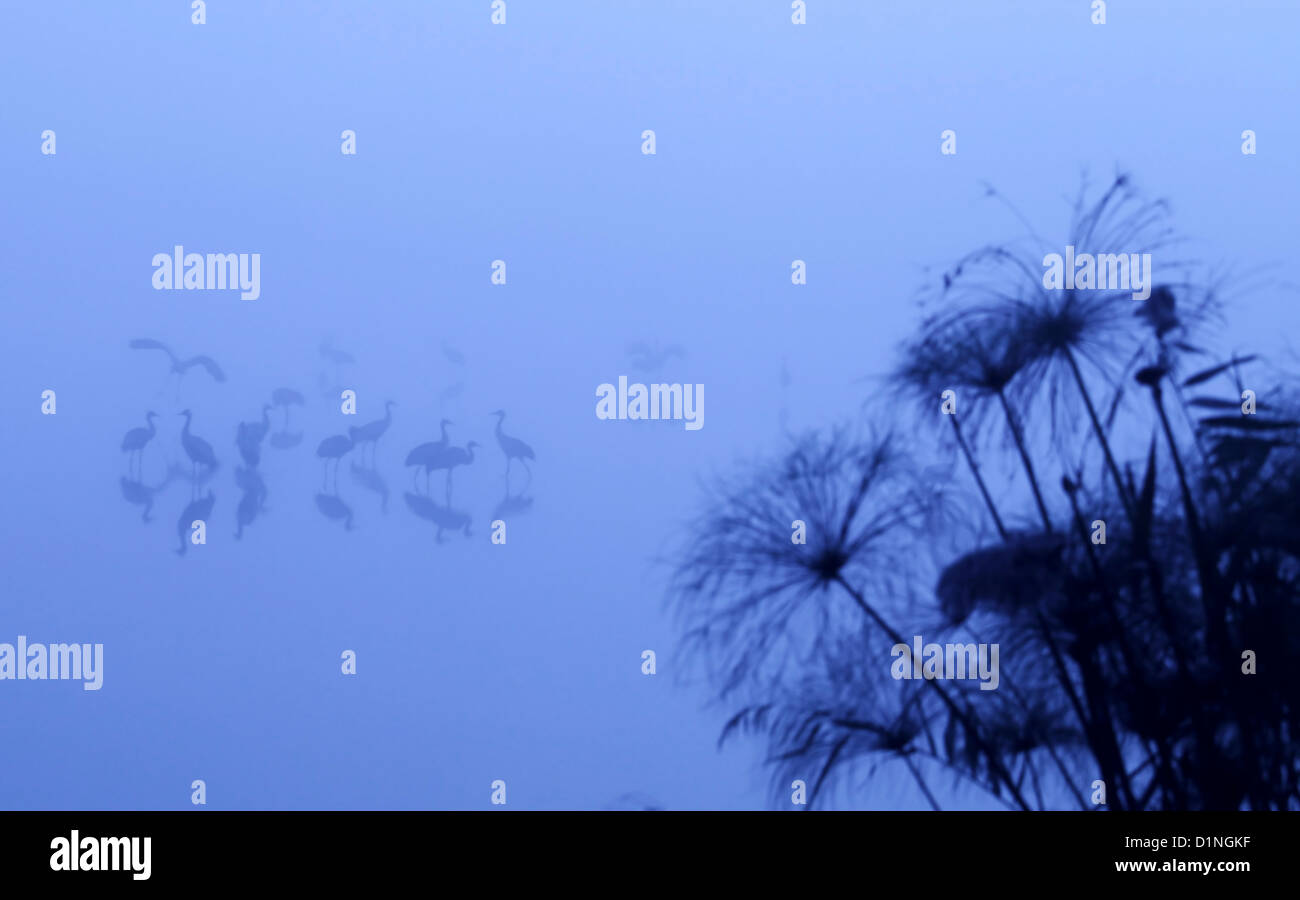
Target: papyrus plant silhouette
1163,660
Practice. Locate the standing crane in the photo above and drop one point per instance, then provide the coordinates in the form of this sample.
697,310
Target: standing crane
136,439
371,432
513,448
198,450
335,448
427,453
284,398
449,459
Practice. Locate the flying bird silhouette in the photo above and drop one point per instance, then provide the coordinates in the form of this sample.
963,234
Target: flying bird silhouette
180,366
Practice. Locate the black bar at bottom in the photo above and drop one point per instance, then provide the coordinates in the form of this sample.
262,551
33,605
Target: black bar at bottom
334,849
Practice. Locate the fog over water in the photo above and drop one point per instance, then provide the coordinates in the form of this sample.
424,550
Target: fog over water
520,143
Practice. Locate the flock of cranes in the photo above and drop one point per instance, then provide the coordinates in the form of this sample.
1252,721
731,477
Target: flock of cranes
439,455
250,436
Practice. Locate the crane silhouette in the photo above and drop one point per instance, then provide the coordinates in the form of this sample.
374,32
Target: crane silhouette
140,494
180,366
198,509
198,450
136,439
451,457
332,507
177,472
334,447
249,437
513,448
512,504
252,500
444,517
427,453
250,482
371,432
283,398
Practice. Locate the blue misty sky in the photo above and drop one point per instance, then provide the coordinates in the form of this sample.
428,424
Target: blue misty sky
520,142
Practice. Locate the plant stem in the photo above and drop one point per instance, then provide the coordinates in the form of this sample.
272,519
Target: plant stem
1101,436
979,479
996,768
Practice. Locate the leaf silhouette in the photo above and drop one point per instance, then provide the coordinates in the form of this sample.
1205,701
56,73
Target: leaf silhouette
1214,403
1207,374
1146,501
1249,423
